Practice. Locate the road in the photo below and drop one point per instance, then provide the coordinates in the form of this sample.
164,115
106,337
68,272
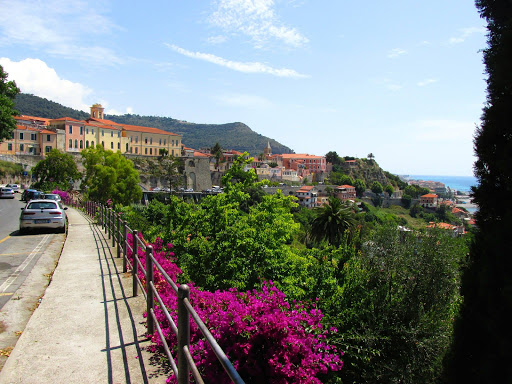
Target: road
18,253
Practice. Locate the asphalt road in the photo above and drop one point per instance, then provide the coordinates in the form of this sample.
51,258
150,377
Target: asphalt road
18,253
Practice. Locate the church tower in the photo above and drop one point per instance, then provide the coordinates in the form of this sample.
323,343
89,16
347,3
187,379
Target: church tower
97,111
267,151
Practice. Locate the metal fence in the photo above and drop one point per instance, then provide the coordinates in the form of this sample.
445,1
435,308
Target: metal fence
117,231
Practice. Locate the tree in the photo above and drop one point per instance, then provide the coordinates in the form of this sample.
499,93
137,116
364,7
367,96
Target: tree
110,175
57,170
163,152
370,156
171,169
377,187
360,186
8,92
332,157
216,151
389,189
332,221
481,348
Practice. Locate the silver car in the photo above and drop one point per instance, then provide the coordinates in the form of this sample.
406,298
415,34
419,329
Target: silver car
43,214
6,193
51,196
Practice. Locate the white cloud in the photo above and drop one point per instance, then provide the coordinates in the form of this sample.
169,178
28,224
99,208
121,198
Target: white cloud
34,76
395,52
65,28
427,82
256,19
219,39
244,101
464,33
112,111
254,67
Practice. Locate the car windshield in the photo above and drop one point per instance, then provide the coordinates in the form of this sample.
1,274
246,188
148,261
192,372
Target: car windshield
42,205
51,197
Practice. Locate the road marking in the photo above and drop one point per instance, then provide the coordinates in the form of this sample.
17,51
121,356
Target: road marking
5,238
7,283
6,294
13,254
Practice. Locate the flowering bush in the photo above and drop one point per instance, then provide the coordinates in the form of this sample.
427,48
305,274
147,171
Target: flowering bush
266,339
63,195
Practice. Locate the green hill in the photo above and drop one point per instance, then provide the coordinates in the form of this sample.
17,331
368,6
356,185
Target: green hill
237,136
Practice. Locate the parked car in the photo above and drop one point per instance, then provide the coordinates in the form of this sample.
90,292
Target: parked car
14,187
51,196
43,214
6,193
31,194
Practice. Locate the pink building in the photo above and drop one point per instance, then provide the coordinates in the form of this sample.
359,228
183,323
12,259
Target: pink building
311,163
345,192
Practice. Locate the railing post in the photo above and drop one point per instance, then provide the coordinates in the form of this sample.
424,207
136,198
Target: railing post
109,224
135,265
118,234
114,226
125,245
183,334
149,290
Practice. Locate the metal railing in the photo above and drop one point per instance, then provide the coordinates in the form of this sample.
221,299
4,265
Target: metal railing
117,231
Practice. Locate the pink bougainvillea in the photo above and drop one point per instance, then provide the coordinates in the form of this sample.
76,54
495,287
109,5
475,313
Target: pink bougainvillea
63,195
267,339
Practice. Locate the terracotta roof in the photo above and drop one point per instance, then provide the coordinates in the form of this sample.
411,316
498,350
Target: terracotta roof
306,188
25,117
67,119
345,186
350,161
457,210
103,121
117,128
430,195
472,222
25,128
441,225
135,128
300,156
48,132
199,154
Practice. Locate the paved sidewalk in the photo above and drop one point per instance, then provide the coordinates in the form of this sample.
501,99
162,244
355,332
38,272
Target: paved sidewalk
88,327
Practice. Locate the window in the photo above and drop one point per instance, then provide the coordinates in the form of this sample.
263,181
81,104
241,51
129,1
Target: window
118,133
9,147
118,145
70,129
151,141
136,150
92,144
86,131
172,143
164,141
111,133
136,139
102,132
127,147
48,138
33,137
76,143
131,139
21,135
87,144
22,147
160,142
150,151
146,140
70,143
92,131
12,135
81,130
145,151
47,149
81,144
111,145
103,144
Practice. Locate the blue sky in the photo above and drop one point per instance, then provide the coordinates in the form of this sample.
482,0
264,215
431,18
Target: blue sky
401,79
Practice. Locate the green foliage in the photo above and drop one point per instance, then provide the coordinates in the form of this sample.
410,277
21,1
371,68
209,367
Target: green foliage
8,92
333,158
171,169
332,221
406,200
395,304
376,187
338,178
360,186
389,189
10,169
110,175
481,351
415,191
56,171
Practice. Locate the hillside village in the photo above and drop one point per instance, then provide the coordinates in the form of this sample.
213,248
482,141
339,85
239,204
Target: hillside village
302,175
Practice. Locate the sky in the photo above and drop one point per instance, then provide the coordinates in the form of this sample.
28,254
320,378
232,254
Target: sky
401,79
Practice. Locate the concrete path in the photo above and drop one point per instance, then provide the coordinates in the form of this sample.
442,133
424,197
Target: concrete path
88,328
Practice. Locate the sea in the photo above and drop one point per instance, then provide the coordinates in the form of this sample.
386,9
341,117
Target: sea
459,183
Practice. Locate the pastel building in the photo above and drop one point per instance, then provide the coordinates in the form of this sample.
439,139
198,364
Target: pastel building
429,200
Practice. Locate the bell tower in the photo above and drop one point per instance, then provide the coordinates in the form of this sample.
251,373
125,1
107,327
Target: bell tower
97,111
267,151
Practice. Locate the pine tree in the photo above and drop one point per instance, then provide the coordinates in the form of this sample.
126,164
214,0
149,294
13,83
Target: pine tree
481,351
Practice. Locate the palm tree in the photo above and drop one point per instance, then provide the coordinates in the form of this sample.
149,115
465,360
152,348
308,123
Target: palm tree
332,221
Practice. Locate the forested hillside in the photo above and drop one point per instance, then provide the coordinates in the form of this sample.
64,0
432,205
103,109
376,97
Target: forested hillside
237,136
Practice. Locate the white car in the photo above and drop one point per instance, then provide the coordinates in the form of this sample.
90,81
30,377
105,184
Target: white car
14,187
43,214
51,196
6,193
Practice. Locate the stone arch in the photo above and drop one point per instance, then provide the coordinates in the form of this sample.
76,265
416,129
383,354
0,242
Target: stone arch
191,163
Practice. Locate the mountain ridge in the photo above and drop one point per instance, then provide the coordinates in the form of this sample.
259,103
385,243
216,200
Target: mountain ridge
236,136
